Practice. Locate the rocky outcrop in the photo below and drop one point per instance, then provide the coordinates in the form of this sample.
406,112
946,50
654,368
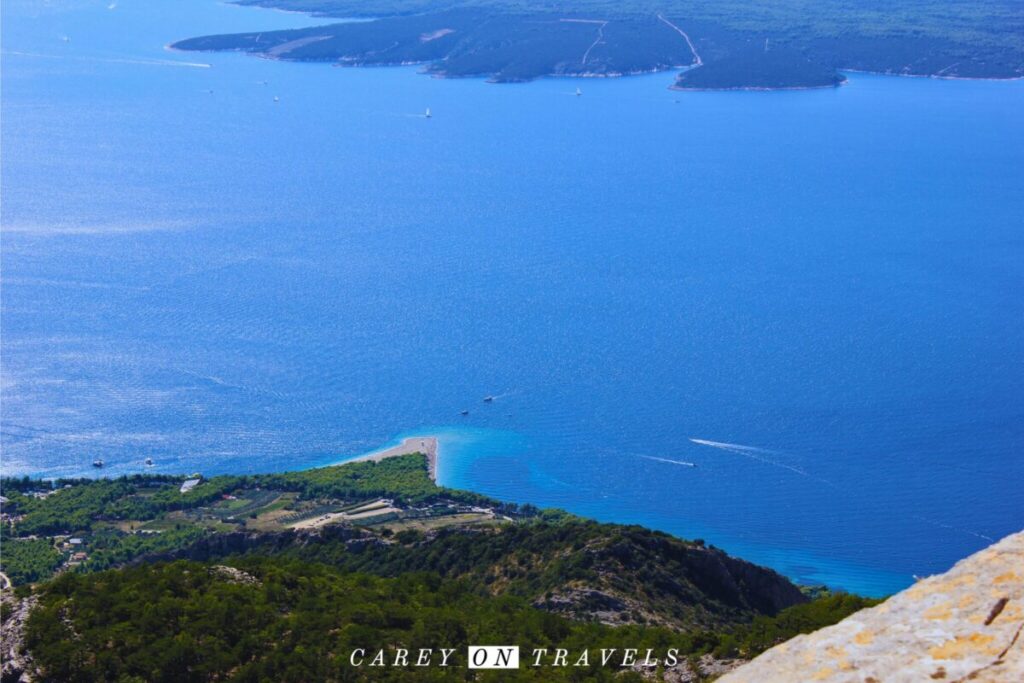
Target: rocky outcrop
964,625
234,575
671,584
680,584
705,668
17,663
587,604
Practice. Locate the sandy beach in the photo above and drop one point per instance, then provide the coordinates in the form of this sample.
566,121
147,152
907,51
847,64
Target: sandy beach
414,444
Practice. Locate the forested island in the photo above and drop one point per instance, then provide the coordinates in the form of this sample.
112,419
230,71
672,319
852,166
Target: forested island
282,576
734,44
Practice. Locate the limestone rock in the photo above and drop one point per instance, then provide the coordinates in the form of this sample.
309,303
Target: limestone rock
233,575
964,625
17,665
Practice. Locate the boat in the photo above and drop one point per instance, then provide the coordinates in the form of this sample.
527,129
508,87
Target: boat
276,98
488,399
578,92
149,462
464,412
427,114
97,463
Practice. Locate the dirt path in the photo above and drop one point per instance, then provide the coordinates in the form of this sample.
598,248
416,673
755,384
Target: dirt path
697,61
597,41
600,33
285,48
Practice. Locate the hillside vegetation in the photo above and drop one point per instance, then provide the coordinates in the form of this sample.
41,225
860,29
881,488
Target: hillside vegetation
277,577
388,518
578,568
730,44
285,620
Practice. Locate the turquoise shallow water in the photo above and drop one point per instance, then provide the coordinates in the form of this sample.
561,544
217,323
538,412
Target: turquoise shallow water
821,288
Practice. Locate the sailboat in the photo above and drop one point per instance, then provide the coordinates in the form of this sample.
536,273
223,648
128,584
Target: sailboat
578,92
427,114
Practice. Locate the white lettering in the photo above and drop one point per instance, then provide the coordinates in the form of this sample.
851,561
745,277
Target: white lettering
493,657
507,657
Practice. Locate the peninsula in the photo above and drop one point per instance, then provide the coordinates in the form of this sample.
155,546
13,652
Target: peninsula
285,575
425,445
736,44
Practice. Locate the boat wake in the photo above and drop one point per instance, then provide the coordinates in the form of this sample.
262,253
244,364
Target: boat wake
668,460
423,115
950,527
504,394
732,446
112,60
758,454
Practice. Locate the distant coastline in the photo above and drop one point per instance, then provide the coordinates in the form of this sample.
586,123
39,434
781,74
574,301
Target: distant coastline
515,45
754,88
937,77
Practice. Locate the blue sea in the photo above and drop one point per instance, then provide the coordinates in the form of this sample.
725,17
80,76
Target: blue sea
815,297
